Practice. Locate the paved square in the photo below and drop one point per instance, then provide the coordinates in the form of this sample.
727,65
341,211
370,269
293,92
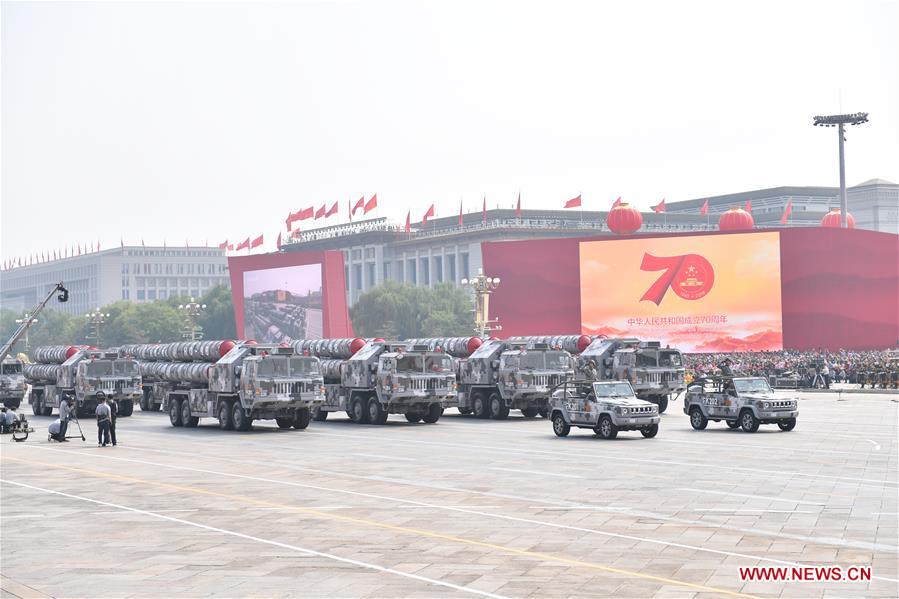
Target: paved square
462,507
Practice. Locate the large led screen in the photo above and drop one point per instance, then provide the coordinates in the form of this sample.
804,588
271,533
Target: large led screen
283,304
697,293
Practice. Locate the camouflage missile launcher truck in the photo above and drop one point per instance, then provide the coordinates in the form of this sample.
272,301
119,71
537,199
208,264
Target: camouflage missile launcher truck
12,382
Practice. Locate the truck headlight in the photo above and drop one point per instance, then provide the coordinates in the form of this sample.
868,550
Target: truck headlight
765,405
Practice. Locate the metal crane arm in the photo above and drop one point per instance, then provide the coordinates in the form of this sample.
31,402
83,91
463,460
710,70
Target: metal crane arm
32,316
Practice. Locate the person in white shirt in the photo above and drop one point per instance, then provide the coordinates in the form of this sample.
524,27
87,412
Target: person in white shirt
103,419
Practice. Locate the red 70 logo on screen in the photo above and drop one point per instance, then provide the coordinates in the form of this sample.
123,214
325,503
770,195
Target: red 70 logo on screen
690,276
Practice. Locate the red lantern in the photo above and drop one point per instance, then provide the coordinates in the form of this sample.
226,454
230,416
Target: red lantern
832,219
735,219
624,219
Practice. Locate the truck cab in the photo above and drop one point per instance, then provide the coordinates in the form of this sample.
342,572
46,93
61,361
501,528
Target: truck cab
744,402
118,377
606,407
12,383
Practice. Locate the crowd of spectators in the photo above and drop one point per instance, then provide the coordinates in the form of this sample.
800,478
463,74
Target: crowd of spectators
814,368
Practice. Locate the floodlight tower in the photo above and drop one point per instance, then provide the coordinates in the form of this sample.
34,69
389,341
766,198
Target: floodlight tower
840,121
483,286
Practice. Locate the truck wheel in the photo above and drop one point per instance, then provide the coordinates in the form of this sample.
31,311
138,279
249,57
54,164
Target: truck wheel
465,411
304,417
650,431
560,427
787,425
498,408
154,407
358,413
663,404
224,415
697,419
126,408
748,422
376,412
413,416
284,422
175,412
36,407
543,412
46,410
529,412
242,422
732,423
479,405
320,415
606,429
144,403
186,419
435,411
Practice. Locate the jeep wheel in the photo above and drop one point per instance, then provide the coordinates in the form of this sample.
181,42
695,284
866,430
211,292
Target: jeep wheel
302,419
663,404
376,412
413,416
242,422
748,422
479,405
787,425
529,412
320,415
650,431
224,415
606,429
697,419
284,422
732,423
433,414
186,418
560,427
498,408
175,412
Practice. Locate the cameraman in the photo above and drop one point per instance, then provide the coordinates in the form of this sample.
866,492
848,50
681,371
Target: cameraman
66,413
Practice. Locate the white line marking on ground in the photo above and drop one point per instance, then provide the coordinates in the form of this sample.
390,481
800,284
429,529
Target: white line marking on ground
232,533
875,444
577,507
839,542
745,496
538,473
751,511
155,511
383,457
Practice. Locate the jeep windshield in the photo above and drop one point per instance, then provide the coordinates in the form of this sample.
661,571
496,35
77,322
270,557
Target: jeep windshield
99,368
125,368
756,385
304,366
612,390
438,363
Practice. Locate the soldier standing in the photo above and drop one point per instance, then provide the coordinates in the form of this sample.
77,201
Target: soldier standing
103,416
113,416
590,371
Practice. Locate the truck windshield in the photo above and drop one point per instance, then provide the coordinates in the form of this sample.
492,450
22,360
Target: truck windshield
646,359
99,368
612,390
557,360
669,358
758,385
304,366
409,363
271,366
533,360
438,363
125,368
11,368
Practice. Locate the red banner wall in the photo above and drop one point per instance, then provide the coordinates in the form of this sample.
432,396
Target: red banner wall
336,318
839,288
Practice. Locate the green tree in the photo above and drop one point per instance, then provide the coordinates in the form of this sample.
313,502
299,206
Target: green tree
218,318
395,310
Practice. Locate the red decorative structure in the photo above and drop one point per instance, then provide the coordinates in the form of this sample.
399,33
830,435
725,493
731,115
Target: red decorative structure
736,219
832,219
624,219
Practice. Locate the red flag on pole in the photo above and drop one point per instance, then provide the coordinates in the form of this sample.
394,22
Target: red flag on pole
573,202
332,211
320,212
617,202
279,240
223,245
429,213
230,247
360,204
748,205
349,209
484,211
518,207
788,210
660,207
371,204
705,208
243,245
256,242
460,213
408,223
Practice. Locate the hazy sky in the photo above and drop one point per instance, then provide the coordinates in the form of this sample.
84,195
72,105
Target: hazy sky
169,121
